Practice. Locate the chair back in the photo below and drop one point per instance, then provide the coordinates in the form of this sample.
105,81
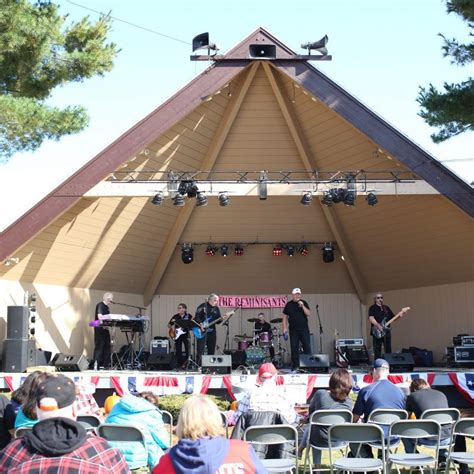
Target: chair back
330,417
465,427
416,429
113,432
168,420
225,423
386,416
88,421
444,416
19,432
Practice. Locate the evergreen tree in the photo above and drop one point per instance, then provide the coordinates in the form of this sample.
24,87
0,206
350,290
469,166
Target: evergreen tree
38,52
452,110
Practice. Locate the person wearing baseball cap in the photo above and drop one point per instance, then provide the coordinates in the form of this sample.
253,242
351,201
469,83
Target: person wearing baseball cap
295,319
57,443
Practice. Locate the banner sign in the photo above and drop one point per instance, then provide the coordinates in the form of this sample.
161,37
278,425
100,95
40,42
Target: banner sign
270,301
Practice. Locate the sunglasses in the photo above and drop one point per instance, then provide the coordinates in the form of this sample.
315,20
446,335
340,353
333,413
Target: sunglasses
379,297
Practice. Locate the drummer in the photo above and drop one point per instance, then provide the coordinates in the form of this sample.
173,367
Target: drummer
261,326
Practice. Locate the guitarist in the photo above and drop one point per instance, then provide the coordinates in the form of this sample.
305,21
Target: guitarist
183,340
206,314
378,314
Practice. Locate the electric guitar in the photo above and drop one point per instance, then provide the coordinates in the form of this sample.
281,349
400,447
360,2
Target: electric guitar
379,333
176,333
206,325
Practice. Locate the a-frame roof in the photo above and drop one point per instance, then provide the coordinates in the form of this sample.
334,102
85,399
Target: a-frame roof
309,123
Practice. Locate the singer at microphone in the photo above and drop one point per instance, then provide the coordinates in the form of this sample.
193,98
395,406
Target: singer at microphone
102,348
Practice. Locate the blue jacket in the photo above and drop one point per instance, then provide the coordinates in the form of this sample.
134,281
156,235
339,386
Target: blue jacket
137,411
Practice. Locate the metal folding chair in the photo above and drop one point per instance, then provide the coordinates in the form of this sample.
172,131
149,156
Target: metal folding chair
384,417
356,433
463,427
89,422
269,435
168,420
415,429
126,437
19,432
323,419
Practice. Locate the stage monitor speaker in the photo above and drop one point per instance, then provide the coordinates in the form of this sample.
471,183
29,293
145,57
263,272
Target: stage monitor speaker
216,364
157,361
17,322
18,354
315,363
70,363
400,361
238,357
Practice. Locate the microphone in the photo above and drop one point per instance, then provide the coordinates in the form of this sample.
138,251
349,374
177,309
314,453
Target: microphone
317,306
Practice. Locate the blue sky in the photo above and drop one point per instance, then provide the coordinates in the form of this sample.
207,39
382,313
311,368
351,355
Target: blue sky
382,51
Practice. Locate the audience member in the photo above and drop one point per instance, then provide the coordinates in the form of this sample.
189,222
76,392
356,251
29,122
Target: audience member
26,415
144,414
267,396
202,448
85,401
57,443
5,436
336,398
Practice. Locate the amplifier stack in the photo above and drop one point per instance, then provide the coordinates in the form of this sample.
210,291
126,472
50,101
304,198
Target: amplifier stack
351,352
462,351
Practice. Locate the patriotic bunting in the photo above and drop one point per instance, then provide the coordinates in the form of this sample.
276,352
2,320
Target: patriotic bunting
464,382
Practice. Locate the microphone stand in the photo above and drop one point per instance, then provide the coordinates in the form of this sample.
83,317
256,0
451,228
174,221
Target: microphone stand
321,332
140,309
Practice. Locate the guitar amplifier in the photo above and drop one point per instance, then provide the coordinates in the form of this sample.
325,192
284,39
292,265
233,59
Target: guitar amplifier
464,354
463,340
349,342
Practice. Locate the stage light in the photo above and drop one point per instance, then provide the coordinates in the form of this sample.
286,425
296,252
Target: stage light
371,199
351,194
304,250
157,199
306,199
224,250
239,250
327,198
32,331
350,198
290,250
328,252
211,250
188,187
338,194
201,200
223,199
277,251
178,200
187,253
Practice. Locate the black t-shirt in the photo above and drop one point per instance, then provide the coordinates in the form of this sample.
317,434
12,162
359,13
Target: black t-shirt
262,327
297,320
380,313
206,312
101,308
177,318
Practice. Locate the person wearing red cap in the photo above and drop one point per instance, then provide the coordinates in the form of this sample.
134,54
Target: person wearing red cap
267,396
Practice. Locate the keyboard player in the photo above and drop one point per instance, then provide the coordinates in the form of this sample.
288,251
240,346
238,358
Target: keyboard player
102,349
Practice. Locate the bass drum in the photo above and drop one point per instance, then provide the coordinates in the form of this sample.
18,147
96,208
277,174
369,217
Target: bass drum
255,355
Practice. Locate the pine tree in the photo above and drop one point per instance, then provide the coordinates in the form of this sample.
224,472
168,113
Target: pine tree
452,111
40,50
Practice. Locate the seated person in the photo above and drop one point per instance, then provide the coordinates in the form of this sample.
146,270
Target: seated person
85,401
202,447
145,415
336,398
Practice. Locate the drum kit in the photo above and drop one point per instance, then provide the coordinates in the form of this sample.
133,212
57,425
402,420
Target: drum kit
257,347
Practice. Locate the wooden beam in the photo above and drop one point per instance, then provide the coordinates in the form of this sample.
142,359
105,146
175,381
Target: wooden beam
207,164
310,164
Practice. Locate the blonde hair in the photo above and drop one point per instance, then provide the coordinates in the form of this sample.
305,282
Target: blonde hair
199,417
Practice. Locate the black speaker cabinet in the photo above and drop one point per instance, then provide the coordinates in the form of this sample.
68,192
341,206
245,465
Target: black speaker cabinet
70,363
18,354
17,322
315,363
238,357
400,361
157,361
357,355
216,364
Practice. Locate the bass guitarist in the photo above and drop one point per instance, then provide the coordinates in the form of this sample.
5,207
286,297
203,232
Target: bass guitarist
379,315
180,334
207,316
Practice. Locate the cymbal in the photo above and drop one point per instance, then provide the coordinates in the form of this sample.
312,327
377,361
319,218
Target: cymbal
243,337
252,320
276,320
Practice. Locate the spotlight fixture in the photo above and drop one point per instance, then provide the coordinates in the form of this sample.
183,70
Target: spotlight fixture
32,331
338,194
349,198
187,253
157,199
327,198
188,187
32,303
201,199
306,199
211,250
224,250
371,199
328,252
178,200
239,250
223,199
277,251
290,250
304,250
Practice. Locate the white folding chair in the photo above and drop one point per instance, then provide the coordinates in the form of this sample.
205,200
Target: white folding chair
462,427
323,419
269,435
356,433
